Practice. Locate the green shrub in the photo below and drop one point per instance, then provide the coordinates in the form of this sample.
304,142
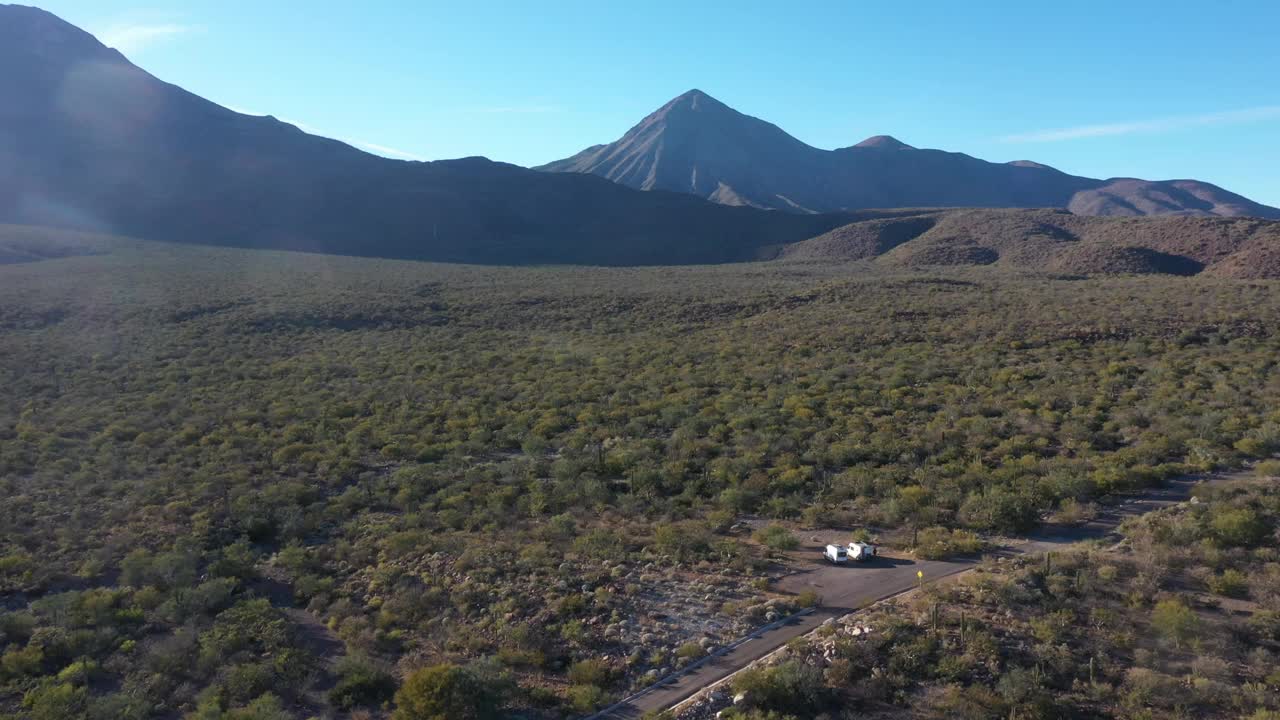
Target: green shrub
16,627
446,692
1231,583
808,599
1237,527
1174,621
15,564
791,687
79,672
600,544
265,707
690,651
777,537
585,698
936,543
1268,468
1266,624
361,684
591,672
686,541
20,662
246,681
55,701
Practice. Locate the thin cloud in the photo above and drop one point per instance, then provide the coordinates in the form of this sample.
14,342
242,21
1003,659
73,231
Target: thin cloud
243,111
136,38
1233,117
374,148
384,150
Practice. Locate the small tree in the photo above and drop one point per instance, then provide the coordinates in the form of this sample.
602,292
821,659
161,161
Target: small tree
913,504
1174,620
445,692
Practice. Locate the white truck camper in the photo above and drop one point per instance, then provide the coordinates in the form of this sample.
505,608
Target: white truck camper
837,554
861,552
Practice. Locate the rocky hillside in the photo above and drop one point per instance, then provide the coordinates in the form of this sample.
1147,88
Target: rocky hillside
1058,241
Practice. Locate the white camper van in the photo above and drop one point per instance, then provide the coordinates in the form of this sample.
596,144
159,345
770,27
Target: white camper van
861,552
836,554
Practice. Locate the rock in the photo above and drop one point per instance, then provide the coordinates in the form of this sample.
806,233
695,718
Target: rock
739,698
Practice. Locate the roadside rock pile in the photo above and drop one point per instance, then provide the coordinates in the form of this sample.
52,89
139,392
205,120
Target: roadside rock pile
820,649
707,706
835,632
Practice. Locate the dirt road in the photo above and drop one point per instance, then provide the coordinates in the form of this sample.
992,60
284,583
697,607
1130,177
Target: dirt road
846,588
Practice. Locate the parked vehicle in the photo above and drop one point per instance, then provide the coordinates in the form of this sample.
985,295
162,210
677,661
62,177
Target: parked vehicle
836,554
861,552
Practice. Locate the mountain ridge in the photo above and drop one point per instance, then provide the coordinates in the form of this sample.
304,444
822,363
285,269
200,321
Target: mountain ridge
90,141
716,152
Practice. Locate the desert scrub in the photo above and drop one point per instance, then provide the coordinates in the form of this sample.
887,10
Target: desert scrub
429,458
1230,583
936,543
777,537
690,651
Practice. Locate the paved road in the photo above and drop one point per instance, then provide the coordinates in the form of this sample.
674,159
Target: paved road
845,589
867,584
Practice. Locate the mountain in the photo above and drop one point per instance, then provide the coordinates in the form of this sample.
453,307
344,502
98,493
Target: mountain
698,145
1055,241
89,141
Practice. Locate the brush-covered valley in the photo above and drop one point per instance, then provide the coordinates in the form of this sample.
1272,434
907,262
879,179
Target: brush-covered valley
254,484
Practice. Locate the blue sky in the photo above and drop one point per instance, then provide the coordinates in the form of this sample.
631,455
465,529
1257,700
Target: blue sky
1149,89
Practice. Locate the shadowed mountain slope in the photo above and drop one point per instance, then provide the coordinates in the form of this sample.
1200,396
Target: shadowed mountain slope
90,141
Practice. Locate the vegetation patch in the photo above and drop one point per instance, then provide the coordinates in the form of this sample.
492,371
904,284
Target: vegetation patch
1129,632
557,490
